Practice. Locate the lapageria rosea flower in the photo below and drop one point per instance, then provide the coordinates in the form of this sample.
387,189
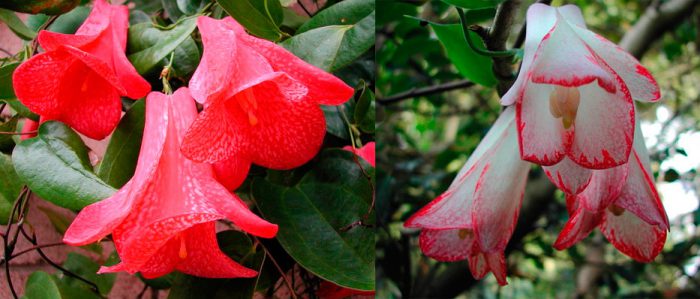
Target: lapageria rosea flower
81,76
574,92
261,103
163,218
475,217
623,202
366,152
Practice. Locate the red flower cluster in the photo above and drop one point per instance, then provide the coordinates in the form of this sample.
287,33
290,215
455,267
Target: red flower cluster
261,106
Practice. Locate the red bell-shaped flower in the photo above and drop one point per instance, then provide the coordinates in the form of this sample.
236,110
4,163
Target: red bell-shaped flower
81,76
261,103
163,218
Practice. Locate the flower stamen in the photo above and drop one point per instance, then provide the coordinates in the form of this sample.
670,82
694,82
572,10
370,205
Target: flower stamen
563,103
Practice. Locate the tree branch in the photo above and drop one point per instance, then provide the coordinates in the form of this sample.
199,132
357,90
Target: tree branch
498,35
653,23
417,92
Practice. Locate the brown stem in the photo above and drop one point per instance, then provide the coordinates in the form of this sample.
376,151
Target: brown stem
498,35
284,275
418,92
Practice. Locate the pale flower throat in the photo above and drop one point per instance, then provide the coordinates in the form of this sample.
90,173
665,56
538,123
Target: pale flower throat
246,99
563,103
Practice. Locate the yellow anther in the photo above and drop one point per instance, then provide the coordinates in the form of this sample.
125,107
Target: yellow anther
183,248
615,209
563,103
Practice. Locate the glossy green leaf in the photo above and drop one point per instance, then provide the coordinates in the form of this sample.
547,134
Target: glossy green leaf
315,218
68,23
364,114
346,12
6,89
55,166
150,45
20,109
171,9
120,158
6,141
335,125
471,65
10,187
190,7
474,4
41,285
259,20
87,268
16,25
334,46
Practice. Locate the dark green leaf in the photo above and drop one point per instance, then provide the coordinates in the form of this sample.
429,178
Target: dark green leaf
20,109
259,20
55,166
10,186
120,158
332,47
68,23
87,268
314,218
474,4
6,89
6,141
16,25
343,13
335,124
150,45
138,16
41,285
364,115
172,10
190,7
475,67
147,6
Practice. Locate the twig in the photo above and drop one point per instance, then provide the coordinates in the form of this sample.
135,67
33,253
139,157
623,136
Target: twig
284,276
498,35
18,133
36,247
424,91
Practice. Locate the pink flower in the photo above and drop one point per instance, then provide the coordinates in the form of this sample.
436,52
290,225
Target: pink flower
163,218
261,103
80,78
366,152
475,217
574,93
622,202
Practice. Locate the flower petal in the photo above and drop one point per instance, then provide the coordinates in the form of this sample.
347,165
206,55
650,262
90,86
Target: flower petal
605,187
541,137
231,172
481,263
568,176
633,236
446,245
639,194
577,228
540,19
564,59
211,75
324,88
641,84
604,127
499,192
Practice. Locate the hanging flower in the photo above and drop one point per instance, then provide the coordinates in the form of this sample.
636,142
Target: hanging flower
163,218
624,204
475,217
261,103
574,92
80,78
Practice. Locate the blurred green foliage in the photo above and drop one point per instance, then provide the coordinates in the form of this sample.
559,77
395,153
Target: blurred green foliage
424,141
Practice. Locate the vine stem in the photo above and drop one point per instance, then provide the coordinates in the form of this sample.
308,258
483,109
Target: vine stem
284,275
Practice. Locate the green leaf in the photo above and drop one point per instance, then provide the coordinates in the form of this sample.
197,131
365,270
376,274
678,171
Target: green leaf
474,4
190,7
16,25
314,218
68,23
343,13
6,141
120,158
55,166
6,89
471,65
365,113
41,285
10,187
171,9
334,46
150,45
20,109
87,268
335,125
259,20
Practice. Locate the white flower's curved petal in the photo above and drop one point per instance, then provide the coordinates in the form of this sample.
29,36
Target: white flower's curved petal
446,245
542,138
577,228
633,236
540,19
568,176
